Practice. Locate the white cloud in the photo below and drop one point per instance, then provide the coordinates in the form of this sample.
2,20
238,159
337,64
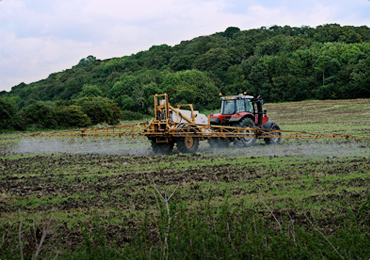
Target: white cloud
42,37
31,59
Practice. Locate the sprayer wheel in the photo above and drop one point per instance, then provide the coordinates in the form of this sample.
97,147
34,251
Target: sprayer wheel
188,144
161,148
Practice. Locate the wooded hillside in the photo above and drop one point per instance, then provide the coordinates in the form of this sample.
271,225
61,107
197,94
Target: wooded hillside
278,63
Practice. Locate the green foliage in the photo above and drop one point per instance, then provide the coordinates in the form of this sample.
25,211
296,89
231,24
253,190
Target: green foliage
7,114
9,118
70,113
39,115
72,116
13,100
128,103
239,232
279,63
85,61
191,87
130,116
216,59
100,110
230,31
90,91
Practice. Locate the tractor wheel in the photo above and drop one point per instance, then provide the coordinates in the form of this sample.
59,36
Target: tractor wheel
161,148
188,144
275,140
218,142
245,141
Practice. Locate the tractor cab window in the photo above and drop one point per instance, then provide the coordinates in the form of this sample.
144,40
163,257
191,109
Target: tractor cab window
248,106
241,105
228,107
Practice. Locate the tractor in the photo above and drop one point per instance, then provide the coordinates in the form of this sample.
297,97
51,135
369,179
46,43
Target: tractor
242,111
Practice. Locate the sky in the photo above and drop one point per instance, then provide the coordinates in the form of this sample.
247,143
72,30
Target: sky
41,37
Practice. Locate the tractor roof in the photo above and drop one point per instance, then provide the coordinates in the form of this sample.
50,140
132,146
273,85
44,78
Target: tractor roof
240,96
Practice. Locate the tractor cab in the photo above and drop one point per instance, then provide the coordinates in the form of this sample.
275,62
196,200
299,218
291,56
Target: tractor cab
235,108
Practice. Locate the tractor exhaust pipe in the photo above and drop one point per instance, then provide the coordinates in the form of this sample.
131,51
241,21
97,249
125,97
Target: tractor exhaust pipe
260,111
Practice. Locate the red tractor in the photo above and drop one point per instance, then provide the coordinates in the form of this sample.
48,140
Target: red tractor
242,111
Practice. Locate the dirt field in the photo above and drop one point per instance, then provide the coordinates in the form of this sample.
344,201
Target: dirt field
309,197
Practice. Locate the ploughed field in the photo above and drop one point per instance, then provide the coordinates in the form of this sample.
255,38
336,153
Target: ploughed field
111,198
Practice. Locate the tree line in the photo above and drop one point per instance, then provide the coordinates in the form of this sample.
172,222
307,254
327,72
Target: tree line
80,112
278,63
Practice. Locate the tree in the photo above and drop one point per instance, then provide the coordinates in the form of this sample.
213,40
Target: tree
123,87
192,86
72,116
182,62
7,115
39,114
100,110
90,91
325,59
85,61
213,60
127,103
230,31
257,76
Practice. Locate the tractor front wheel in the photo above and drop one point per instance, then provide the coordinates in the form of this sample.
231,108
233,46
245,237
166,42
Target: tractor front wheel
248,140
274,140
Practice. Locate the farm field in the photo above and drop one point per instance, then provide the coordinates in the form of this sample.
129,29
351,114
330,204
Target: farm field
113,198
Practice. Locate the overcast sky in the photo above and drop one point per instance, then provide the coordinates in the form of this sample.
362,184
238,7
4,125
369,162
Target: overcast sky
39,37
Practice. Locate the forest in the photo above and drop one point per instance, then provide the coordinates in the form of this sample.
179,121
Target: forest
279,63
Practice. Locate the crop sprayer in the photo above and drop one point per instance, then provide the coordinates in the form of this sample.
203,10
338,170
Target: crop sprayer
242,121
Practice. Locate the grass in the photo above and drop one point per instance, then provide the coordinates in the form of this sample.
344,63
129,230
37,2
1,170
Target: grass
297,200
341,116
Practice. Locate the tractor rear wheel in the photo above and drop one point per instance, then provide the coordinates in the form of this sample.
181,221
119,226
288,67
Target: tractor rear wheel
188,144
246,141
274,140
161,148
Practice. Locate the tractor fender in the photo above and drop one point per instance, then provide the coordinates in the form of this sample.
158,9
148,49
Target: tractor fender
235,119
238,119
268,124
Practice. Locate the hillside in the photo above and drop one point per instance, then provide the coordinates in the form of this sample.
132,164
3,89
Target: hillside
278,63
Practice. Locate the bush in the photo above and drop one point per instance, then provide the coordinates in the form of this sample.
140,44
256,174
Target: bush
130,115
7,114
100,110
72,116
40,115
